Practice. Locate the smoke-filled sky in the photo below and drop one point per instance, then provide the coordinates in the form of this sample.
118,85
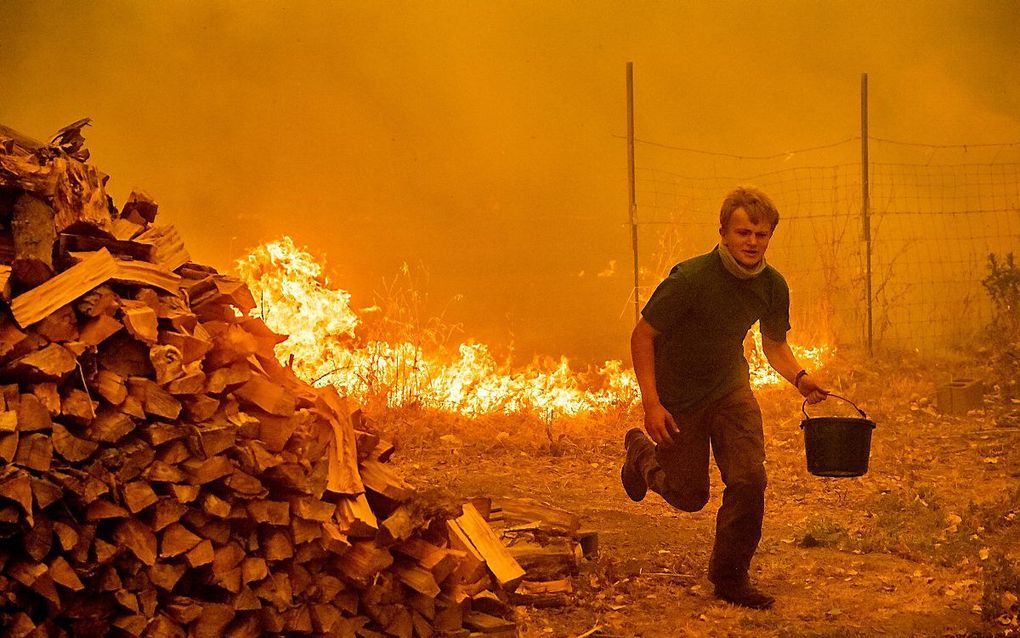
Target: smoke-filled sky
481,141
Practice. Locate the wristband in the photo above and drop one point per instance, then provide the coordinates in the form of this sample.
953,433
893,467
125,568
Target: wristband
796,379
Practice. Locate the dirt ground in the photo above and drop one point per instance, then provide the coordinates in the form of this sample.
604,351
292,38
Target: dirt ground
925,544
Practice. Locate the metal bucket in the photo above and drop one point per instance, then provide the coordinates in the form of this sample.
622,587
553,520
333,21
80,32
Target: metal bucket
837,446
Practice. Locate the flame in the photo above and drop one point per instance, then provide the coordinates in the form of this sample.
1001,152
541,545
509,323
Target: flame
323,347
762,374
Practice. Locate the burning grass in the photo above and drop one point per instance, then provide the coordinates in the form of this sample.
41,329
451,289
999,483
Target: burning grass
393,357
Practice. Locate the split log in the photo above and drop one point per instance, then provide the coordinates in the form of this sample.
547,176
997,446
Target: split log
8,446
66,535
101,301
168,247
488,625
140,207
449,614
138,495
39,302
489,603
399,525
6,274
554,593
355,517
138,538
439,561
333,539
46,493
274,432
177,540
8,422
48,396
383,480
201,554
549,519
202,471
111,386
140,321
276,545
17,486
126,356
363,561
62,325
155,400
64,575
103,510
168,364
124,229
35,452
34,236
99,330
231,343
500,562
472,565
146,274
312,509
192,347
267,396
269,512
344,477
77,407
200,407
70,447
33,415
547,562
419,579
109,426
128,249
51,363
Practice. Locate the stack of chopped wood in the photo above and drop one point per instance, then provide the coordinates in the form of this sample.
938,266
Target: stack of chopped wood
548,543
164,475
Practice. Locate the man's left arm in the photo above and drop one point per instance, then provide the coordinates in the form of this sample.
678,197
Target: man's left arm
782,359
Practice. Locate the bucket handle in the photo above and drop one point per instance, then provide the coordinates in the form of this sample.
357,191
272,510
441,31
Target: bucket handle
804,406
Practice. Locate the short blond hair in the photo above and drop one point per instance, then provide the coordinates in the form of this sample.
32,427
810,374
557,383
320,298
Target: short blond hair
754,201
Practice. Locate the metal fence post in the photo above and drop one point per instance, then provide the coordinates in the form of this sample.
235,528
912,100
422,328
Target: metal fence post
632,187
866,207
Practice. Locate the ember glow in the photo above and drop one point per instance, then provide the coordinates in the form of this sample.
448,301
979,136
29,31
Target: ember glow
323,347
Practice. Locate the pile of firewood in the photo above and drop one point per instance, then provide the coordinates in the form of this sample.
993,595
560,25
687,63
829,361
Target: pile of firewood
548,543
164,475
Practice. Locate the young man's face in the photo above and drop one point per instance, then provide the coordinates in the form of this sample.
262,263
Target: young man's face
746,240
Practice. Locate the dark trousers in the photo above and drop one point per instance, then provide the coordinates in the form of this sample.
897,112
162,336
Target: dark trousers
679,473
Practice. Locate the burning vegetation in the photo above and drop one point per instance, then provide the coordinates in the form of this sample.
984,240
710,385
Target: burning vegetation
326,347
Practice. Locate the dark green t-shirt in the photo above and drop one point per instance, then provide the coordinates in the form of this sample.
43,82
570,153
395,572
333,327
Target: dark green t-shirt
704,313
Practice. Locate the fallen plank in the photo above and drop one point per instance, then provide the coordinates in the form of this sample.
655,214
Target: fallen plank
146,274
502,565
549,519
39,302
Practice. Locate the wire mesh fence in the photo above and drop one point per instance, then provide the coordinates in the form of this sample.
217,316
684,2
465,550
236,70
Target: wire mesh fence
933,227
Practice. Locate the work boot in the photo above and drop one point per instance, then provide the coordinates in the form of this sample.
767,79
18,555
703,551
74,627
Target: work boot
632,478
745,595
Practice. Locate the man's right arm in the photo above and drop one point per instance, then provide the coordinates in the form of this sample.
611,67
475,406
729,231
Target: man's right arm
659,422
